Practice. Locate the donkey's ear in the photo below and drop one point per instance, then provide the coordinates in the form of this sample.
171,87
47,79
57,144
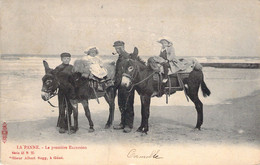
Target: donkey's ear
135,53
46,66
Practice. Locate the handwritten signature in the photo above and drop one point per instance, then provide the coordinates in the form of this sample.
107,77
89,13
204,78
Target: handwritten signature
153,155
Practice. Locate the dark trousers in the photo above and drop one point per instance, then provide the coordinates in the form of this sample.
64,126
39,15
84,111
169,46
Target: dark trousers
126,106
62,120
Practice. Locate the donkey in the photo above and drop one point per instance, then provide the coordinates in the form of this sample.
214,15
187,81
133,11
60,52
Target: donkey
137,76
83,91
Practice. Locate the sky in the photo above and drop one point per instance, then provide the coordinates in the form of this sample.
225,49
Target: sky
196,28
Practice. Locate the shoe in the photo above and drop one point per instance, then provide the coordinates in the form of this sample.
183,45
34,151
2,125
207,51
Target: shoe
164,80
127,129
62,130
100,88
120,126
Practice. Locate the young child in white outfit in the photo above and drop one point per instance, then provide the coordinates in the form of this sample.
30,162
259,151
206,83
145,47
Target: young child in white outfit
96,65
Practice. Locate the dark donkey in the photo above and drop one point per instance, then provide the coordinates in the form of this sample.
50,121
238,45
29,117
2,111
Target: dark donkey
137,76
83,91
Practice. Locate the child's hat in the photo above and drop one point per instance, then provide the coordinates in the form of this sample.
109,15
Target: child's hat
89,50
165,39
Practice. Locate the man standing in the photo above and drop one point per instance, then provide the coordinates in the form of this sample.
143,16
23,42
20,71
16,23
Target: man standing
125,98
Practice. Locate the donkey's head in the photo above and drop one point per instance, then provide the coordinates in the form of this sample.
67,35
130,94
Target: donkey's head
131,68
49,83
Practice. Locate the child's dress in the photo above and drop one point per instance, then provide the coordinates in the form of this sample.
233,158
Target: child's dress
96,66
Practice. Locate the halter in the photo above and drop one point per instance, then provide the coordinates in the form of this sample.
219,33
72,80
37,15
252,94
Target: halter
51,96
135,75
54,93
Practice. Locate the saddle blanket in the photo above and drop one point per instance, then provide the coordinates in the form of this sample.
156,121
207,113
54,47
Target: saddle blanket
187,65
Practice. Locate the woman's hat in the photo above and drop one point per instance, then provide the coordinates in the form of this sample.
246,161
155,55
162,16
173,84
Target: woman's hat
93,49
161,40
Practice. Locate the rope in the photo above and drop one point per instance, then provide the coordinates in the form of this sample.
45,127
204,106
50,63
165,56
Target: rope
52,105
141,81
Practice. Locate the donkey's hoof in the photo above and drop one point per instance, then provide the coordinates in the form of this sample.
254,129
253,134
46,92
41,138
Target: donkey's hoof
144,133
139,129
73,130
117,127
197,129
91,130
62,130
107,126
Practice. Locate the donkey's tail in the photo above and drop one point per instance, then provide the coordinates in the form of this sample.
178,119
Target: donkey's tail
205,90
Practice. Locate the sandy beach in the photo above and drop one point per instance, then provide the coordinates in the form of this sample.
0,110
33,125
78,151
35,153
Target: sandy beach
233,123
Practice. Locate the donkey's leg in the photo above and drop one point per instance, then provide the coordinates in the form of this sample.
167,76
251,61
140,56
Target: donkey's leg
194,81
60,107
146,100
140,129
61,119
58,121
74,105
68,114
193,95
70,109
87,114
110,98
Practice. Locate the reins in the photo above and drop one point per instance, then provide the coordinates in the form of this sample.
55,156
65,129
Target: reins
52,105
141,81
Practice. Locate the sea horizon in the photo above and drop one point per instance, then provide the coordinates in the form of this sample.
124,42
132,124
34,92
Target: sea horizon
249,62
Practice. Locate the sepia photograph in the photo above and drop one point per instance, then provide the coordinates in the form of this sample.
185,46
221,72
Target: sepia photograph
110,82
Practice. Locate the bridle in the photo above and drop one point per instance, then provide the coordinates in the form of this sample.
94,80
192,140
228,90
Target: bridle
51,96
52,93
134,75
134,72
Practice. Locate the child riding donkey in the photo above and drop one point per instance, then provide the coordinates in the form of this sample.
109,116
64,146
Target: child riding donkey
169,60
167,64
92,67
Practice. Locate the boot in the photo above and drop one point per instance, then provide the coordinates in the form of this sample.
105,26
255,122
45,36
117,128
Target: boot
119,126
165,78
62,130
127,129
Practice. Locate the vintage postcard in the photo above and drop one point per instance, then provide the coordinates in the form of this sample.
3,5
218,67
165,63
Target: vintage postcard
130,82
